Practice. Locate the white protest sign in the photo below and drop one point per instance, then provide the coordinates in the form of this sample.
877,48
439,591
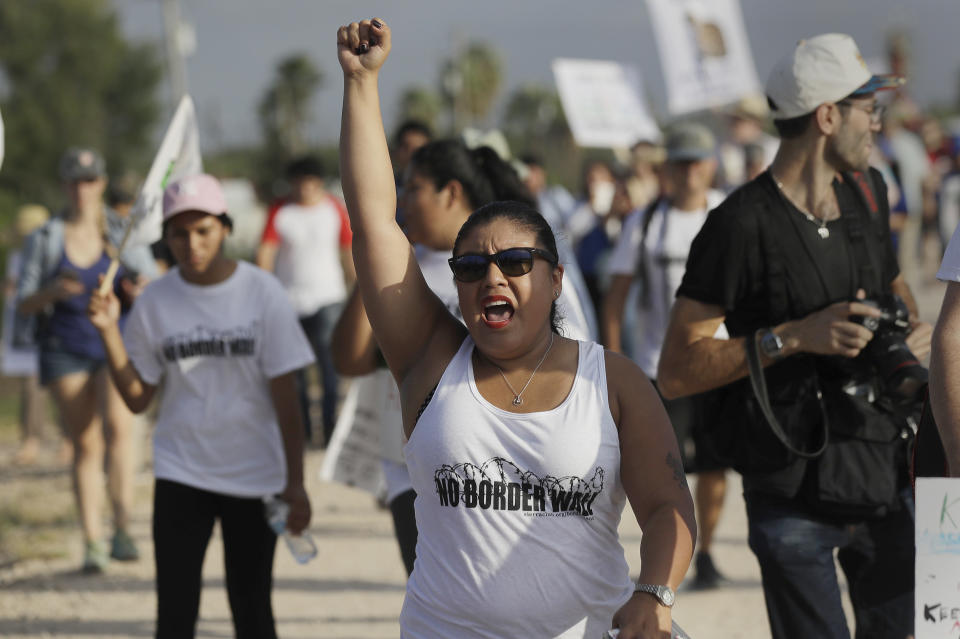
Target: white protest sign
704,53
353,454
603,102
177,157
937,592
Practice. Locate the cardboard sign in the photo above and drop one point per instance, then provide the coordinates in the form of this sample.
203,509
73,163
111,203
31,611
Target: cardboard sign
704,53
603,102
938,559
353,454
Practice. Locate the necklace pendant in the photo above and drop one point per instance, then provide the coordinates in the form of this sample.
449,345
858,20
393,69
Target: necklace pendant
517,401
823,232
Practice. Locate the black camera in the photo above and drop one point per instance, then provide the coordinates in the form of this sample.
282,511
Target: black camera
902,376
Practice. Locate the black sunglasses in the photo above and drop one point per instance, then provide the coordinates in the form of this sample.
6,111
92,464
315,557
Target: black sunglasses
514,262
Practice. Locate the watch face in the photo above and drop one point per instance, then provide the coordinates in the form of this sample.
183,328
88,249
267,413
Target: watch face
666,595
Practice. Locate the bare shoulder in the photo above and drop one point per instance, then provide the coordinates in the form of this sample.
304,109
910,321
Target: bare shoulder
627,385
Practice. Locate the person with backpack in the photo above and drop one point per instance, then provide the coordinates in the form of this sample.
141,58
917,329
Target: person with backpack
652,250
797,264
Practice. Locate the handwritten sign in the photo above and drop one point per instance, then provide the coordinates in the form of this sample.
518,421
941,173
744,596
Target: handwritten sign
603,102
704,53
938,559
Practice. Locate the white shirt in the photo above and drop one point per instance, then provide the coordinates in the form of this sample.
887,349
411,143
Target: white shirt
215,349
667,246
950,266
309,241
517,513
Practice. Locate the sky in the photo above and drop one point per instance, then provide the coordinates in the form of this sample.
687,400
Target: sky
239,42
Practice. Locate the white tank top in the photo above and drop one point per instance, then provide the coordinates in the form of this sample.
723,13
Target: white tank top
517,513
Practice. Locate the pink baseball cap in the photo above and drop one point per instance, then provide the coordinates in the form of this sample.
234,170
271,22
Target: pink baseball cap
194,193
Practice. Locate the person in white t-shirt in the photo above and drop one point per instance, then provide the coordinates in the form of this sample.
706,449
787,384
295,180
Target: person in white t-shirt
945,358
221,341
653,248
306,244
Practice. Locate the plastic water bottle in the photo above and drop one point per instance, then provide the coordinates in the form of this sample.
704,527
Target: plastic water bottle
301,546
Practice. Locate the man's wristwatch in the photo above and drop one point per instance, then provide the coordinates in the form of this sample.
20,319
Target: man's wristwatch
663,593
770,344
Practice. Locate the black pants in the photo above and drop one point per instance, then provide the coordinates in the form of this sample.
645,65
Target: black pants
405,527
183,519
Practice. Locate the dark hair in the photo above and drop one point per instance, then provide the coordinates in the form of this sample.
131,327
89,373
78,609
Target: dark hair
790,128
411,126
524,216
531,159
305,166
484,176
224,218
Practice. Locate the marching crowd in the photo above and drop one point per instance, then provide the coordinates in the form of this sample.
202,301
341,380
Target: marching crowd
713,303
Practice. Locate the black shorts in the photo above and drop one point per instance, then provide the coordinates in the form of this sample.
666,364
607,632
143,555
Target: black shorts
690,417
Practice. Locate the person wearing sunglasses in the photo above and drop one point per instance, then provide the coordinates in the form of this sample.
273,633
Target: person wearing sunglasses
523,445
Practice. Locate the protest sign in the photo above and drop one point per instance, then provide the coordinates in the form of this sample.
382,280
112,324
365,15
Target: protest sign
603,103
704,53
938,558
354,452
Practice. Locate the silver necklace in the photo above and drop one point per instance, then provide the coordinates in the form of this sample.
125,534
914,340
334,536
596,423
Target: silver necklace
821,223
517,397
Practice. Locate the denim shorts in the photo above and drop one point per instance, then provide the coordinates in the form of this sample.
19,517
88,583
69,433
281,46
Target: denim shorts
56,363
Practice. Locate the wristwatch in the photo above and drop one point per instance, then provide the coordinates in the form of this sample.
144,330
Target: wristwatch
770,344
663,593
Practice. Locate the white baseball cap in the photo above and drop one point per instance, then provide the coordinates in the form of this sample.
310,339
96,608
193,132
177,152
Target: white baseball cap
824,68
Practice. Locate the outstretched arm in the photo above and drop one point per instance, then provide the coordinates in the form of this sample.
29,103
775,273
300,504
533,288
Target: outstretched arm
405,315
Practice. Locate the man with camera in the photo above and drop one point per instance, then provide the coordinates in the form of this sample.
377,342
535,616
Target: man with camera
797,263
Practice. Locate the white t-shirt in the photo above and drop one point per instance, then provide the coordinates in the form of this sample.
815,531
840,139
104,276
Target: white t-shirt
667,247
309,240
950,266
215,349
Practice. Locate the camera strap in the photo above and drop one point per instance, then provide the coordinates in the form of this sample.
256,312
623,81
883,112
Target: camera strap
759,383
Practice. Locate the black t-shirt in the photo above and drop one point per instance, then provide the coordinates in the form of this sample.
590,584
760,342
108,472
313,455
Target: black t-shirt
727,266
763,262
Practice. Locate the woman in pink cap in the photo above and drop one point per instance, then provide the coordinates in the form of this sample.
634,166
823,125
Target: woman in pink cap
224,341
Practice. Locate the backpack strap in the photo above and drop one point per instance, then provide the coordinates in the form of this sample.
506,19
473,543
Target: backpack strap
868,217
642,275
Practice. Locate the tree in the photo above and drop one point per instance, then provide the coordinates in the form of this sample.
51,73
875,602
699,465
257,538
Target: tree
71,79
470,83
419,103
285,106
533,118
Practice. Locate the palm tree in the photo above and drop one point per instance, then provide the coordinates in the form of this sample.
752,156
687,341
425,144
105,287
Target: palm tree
285,106
471,82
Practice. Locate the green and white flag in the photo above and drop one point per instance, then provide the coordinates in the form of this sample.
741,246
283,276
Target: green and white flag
177,157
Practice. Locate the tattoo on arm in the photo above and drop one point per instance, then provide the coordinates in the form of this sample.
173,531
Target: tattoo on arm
678,474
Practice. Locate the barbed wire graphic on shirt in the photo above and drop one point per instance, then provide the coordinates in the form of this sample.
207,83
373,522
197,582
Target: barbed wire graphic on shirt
500,484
